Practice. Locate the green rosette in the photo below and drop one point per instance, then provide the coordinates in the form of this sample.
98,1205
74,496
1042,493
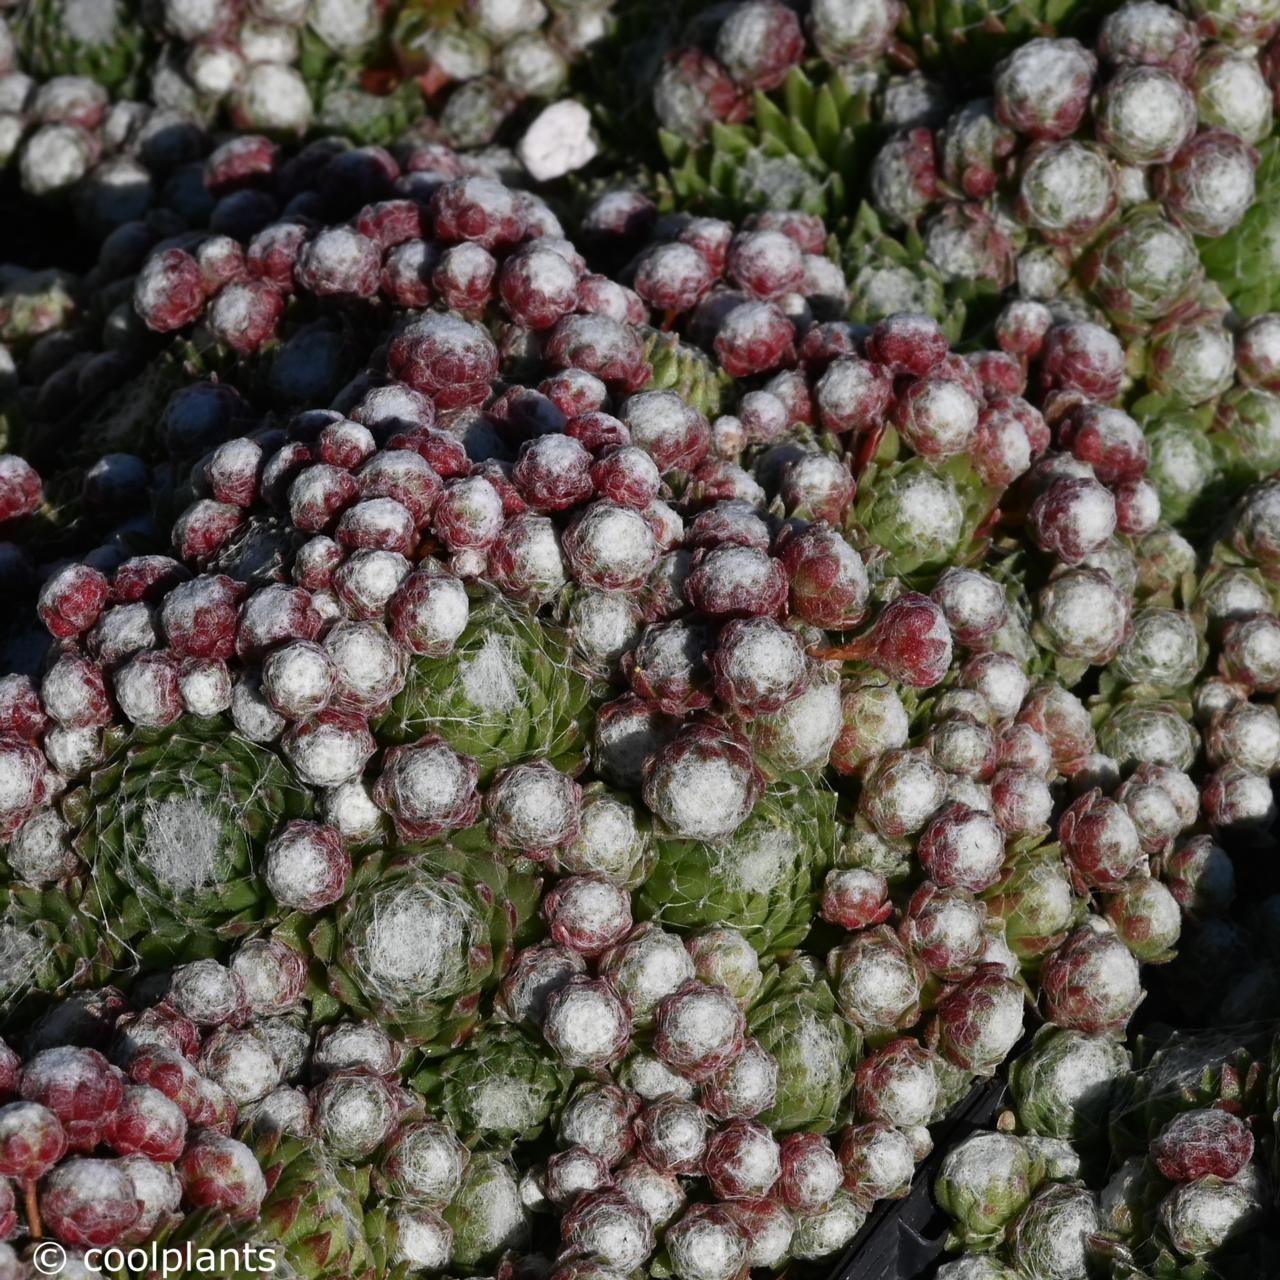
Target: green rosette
422,932
507,692
500,1088
795,1018
797,151
762,880
103,40
173,829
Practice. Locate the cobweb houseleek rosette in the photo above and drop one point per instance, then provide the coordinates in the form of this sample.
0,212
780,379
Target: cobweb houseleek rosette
422,932
486,1215
311,1224
1065,1085
761,879
100,39
923,516
795,1018
53,939
499,1089
508,691
889,273
1036,904
173,829
678,366
983,1183
1244,262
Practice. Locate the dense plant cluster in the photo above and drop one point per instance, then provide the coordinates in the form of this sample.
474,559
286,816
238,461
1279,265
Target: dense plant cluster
561,714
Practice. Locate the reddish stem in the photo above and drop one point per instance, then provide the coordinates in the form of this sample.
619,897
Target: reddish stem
33,1208
851,651
867,447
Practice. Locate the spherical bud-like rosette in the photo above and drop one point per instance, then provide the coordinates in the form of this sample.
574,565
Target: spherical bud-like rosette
944,927
446,358
962,848
902,792
706,1243
608,1226
611,547
698,1030
963,745
828,581
1073,518
149,1124
1099,841
32,1141
936,416
980,1020
873,720
570,1175
909,641
878,1162
744,1088
1082,615
817,486
878,982
90,1203
600,346
755,337
984,1182
1057,1224
533,808
673,277
589,914
742,1161
737,581
973,604
855,898
220,1173
526,561
810,1174
1085,357
758,666
586,1024
428,788
704,783
535,973
428,612
1203,1142
598,1117
852,395
355,1113
1200,1217
897,1084
79,1086
646,968
71,600
671,1134
1090,983
1146,917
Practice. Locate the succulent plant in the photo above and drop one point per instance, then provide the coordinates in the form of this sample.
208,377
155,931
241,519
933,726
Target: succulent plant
583,717
1163,1139
984,1182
